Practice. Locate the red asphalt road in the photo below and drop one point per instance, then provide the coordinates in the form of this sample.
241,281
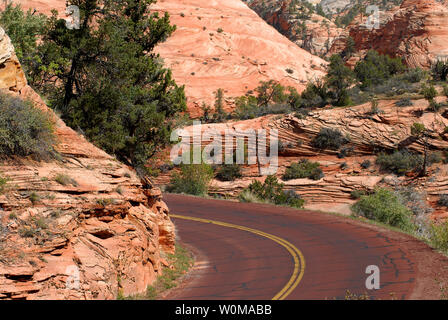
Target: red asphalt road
238,265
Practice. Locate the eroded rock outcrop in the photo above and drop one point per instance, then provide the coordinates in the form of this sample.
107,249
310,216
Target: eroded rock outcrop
417,31
79,227
311,32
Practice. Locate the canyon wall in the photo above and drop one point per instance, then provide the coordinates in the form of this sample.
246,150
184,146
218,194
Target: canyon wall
82,226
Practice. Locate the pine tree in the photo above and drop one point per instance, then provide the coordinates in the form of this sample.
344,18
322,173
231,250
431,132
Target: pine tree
114,87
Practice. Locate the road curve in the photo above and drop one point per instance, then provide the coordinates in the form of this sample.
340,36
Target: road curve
253,251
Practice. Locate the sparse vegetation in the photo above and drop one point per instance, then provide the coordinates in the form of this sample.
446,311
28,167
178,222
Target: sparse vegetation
329,138
443,200
405,102
304,169
193,179
3,182
271,191
24,130
229,172
439,236
65,180
366,164
399,162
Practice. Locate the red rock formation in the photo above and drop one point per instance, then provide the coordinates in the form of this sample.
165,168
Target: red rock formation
318,36
387,130
246,52
416,31
102,226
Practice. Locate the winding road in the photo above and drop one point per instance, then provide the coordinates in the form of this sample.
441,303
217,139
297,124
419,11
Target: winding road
256,251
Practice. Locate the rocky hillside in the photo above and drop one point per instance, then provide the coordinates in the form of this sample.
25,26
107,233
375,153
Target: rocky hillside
299,23
416,31
223,44
79,227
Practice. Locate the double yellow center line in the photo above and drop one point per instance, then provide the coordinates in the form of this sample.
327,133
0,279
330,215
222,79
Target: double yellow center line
299,259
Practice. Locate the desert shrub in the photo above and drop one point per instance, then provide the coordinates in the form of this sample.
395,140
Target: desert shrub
435,157
249,197
443,200
366,164
65,180
328,138
405,102
439,236
435,106
271,191
440,70
384,206
414,75
357,194
2,184
429,92
24,130
303,169
399,162
229,172
193,179
344,152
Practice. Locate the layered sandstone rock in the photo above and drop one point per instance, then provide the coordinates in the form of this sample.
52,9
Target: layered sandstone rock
313,33
223,44
387,130
96,233
416,31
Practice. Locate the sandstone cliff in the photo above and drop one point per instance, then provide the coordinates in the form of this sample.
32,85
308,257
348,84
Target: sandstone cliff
311,32
223,44
98,234
417,31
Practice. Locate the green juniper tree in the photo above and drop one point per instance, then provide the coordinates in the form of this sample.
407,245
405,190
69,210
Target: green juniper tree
113,86
339,79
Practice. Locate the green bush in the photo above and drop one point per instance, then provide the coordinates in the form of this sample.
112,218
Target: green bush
2,184
439,236
193,179
399,162
24,130
366,164
328,138
429,92
405,102
271,191
376,68
229,172
357,194
24,30
440,70
384,206
304,169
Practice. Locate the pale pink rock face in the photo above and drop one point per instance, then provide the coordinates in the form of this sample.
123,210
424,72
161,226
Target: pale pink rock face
246,52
